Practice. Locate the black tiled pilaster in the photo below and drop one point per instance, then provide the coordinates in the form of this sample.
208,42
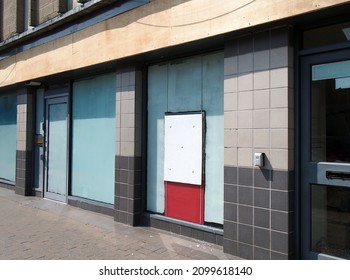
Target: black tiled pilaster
230,175
230,230
24,175
128,203
245,251
258,218
282,180
261,254
245,195
245,214
261,198
262,217
245,176
245,234
231,193
262,238
262,178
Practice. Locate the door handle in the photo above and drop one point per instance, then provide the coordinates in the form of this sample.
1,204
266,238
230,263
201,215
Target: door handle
338,175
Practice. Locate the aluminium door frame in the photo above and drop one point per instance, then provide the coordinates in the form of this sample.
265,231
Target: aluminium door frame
52,96
308,170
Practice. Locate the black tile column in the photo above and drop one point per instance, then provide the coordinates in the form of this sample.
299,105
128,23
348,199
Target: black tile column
128,190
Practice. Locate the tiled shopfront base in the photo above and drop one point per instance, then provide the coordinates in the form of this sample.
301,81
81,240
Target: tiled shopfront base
259,214
128,203
203,233
24,173
7,186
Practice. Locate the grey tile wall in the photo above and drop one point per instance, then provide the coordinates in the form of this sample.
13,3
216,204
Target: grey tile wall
258,114
128,195
24,168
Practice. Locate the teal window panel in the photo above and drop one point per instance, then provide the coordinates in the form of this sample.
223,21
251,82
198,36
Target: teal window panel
185,85
8,134
57,148
93,138
157,105
213,104
191,84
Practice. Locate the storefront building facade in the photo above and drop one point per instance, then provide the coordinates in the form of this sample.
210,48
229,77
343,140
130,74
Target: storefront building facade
204,118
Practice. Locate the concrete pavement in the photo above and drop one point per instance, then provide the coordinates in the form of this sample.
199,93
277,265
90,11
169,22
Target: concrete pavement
36,228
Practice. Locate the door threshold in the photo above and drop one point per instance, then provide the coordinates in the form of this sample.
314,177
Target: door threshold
60,202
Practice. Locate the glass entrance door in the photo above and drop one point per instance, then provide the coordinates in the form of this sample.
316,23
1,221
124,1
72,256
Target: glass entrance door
325,156
56,144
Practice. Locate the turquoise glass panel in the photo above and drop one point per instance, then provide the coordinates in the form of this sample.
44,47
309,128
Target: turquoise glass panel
213,104
8,127
93,139
57,149
186,85
332,70
157,105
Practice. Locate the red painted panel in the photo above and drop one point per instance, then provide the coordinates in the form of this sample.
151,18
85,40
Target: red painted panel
184,202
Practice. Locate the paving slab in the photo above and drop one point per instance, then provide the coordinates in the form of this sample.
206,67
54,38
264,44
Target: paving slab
36,228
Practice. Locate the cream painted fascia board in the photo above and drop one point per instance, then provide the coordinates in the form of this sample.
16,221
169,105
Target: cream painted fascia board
159,24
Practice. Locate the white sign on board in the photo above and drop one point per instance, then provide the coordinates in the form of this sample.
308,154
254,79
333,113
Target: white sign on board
183,151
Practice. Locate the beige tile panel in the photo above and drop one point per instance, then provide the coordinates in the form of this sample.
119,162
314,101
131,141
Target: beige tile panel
245,119
230,156
127,107
127,135
21,145
262,80
245,157
262,138
127,120
230,101
230,120
127,148
280,139
245,100
262,99
261,118
280,97
230,83
245,82
117,148
128,93
279,118
245,138
280,77
230,138
282,159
